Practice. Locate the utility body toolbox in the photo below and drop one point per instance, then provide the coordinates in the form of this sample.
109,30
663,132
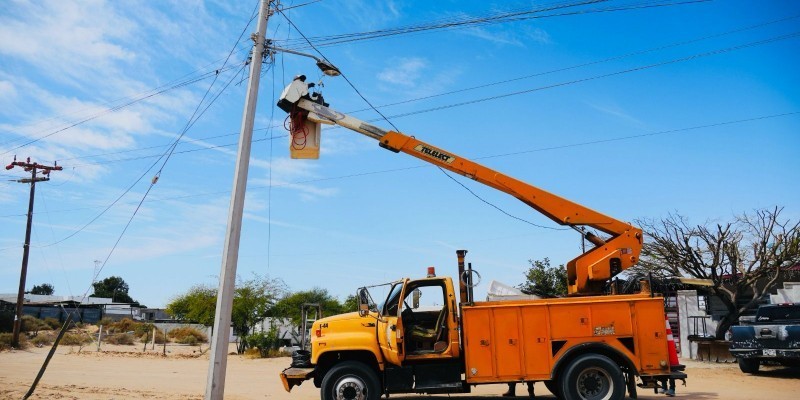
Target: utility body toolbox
529,340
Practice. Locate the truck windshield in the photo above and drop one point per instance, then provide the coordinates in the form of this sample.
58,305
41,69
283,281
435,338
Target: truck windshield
389,306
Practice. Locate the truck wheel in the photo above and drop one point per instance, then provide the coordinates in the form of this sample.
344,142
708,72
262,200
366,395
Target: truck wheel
552,386
592,377
350,380
748,365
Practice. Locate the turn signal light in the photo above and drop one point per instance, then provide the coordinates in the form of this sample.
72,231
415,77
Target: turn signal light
318,332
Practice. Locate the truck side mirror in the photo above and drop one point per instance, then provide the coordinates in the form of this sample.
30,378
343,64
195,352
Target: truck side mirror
415,295
363,302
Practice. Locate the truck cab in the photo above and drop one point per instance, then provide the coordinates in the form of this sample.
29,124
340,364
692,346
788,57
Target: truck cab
406,341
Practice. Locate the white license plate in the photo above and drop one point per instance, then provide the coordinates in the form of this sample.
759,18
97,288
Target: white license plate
769,352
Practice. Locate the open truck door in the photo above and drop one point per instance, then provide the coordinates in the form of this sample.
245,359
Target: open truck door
390,325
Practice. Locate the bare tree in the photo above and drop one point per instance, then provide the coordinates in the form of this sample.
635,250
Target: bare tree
738,258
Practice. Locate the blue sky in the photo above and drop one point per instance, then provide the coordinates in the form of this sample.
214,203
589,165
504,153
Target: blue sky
360,214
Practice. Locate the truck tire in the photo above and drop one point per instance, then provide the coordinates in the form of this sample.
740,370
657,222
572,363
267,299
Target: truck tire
748,365
592,377
350,380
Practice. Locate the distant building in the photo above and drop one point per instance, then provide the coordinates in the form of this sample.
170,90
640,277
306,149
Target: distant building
89,310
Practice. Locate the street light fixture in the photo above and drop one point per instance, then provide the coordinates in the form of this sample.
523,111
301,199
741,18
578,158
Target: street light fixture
326,67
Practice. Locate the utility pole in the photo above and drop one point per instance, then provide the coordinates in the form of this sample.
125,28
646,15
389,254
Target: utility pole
32,168
215,386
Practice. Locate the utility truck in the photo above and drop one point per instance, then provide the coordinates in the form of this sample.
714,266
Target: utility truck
427,336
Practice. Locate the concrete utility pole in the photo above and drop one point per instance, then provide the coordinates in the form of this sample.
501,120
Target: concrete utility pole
32,168
215,386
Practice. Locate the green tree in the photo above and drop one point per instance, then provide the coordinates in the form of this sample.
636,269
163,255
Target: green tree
740,259
197,305
350,303
291,305
114,288
543,280
45,289
252,302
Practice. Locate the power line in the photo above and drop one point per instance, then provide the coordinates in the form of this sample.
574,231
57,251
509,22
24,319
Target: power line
614,58
489,19
109,110
165,156
401,169
500,96
135,96
625,71
509,80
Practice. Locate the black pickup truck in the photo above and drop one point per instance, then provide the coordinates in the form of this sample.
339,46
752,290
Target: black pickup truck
773,336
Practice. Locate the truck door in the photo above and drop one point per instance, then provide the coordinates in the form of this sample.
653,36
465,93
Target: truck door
390,326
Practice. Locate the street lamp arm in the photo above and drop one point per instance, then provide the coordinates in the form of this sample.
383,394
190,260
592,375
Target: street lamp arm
326,67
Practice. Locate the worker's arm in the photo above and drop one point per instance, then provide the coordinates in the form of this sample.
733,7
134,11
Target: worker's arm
586,273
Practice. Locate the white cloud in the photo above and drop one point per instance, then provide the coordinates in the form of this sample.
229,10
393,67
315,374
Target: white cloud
37,33
403,71
367,15
7,91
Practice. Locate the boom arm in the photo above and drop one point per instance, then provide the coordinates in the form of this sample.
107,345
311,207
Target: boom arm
586,273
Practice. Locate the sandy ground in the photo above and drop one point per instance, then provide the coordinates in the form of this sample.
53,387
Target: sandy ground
124,372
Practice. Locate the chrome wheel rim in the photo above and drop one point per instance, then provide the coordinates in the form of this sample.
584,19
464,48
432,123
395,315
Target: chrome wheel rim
350,388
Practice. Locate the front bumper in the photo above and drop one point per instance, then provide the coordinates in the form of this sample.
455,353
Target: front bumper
292,377
766,353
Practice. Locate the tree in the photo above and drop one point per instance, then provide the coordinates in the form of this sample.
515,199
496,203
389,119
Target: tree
114,288
44,289
350,303
197,305
738,258
543,280
290,306
252,302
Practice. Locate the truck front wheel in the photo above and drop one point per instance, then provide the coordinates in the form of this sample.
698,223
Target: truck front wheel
592,377
748,365
350,380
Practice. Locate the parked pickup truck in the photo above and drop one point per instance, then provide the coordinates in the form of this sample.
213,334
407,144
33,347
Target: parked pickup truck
773,336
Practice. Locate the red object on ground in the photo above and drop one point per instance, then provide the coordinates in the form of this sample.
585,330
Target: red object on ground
673,352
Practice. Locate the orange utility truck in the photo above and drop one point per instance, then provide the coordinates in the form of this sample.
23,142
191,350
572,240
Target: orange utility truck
424,337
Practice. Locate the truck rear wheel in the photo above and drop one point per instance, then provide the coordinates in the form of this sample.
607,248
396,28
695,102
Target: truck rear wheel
748,365
350,380
592,377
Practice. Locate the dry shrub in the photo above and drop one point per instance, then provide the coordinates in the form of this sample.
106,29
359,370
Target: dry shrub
75,339
42,339
123,325
188,335
252,353
33,324
52,323
5,341
120,338
148,337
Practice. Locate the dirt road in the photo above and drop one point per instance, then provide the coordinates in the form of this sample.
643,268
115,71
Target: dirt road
182,375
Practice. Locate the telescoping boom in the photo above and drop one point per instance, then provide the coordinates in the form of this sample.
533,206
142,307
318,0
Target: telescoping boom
586,273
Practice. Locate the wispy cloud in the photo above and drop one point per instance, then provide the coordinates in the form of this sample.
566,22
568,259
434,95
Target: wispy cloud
616,111
365,14
403,71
